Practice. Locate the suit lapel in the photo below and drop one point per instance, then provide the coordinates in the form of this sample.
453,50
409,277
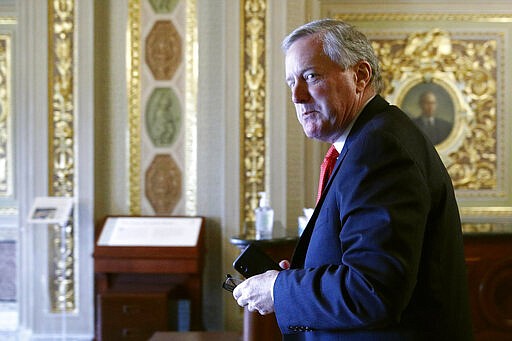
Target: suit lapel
376,105
300,250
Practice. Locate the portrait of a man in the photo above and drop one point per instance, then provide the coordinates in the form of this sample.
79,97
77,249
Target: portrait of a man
432,109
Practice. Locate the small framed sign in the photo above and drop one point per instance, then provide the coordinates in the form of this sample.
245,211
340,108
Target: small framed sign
51,210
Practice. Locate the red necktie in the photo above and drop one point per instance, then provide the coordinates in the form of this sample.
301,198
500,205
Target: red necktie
326,169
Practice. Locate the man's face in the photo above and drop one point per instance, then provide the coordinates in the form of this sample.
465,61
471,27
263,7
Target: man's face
428,105
326,97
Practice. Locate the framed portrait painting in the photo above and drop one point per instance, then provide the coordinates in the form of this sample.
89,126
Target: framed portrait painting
446,71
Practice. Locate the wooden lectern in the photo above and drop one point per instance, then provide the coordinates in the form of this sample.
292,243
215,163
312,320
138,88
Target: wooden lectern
141,264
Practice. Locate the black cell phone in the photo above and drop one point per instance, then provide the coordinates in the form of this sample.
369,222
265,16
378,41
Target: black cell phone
253,261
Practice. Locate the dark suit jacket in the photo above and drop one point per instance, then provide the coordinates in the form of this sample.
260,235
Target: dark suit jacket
382,256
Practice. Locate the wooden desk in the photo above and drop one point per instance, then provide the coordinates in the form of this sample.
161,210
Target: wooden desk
134,287
281,246
489,264
196,336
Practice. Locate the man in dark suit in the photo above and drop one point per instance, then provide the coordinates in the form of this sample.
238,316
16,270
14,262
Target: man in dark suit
434,127
382,256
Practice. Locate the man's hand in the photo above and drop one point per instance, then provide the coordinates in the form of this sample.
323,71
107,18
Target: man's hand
257,292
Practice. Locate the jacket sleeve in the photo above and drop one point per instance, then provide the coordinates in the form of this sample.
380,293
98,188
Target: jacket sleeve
362,261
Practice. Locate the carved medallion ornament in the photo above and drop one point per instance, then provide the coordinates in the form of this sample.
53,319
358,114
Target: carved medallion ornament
163,117
461,73
163,184
252,108
163,50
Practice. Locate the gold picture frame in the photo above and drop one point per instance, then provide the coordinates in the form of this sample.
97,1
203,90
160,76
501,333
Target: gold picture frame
462,59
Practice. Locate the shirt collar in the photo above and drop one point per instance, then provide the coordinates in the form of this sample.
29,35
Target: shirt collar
340,143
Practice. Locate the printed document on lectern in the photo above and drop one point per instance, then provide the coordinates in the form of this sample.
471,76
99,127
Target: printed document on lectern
150,231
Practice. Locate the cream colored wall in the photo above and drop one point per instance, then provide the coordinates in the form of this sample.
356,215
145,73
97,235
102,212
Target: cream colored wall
110,133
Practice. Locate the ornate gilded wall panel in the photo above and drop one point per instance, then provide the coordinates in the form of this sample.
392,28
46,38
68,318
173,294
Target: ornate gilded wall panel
167,65
461,58
463,71
134,106
6,155
252,111
61,161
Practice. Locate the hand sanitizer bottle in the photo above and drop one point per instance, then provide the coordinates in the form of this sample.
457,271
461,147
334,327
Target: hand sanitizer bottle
264,218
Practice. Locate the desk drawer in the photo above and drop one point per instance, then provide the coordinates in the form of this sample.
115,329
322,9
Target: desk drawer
132,316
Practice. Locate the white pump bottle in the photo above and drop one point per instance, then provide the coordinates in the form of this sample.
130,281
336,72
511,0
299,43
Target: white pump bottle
264,216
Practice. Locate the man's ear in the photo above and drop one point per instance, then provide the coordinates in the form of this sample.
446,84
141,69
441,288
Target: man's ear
363,73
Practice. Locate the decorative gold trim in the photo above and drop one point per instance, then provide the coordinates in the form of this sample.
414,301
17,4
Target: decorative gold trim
483,227
466,70
252,109
6,156
8,21
502,211
498,18
61,156
134,104
191,60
